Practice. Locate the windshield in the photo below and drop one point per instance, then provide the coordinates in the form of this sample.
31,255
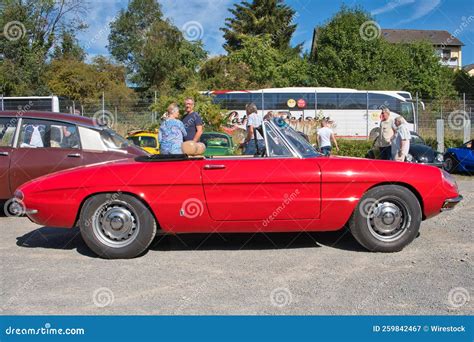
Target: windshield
143,141
295,139
112,140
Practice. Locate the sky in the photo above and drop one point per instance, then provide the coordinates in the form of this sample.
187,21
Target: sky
203,18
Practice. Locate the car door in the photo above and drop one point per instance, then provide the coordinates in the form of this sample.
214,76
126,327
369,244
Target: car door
43,147
246,189
7,134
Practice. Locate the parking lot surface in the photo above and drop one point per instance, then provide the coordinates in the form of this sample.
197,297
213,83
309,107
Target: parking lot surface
51,271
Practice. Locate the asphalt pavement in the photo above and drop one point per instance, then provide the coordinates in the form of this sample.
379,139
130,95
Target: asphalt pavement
51,271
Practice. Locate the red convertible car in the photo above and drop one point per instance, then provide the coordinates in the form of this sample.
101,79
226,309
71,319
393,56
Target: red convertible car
287,187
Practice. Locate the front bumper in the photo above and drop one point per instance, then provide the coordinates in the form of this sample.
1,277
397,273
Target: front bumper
450,203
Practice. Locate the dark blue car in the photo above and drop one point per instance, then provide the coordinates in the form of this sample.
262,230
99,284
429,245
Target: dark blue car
460,159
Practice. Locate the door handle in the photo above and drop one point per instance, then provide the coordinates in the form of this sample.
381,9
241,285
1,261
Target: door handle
214,167
74,155
4,154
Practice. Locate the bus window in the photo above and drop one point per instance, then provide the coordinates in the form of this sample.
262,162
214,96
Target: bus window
378,101
352,101
407,112
327,100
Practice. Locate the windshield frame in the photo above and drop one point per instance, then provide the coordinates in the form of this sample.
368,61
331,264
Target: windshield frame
278,124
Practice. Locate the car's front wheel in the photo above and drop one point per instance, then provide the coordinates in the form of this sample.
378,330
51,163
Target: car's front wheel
450,164
117,226
387,219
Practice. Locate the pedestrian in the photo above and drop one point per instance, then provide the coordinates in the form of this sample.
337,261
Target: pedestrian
253,141
192,121
401,140
384,139
325,136
172,132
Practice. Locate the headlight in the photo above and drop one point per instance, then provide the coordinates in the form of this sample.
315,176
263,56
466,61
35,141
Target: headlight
410,158
439,157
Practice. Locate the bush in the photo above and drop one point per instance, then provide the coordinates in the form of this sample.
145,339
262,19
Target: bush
353,148
448,142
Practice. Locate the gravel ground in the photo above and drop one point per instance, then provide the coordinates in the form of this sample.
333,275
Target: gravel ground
51,271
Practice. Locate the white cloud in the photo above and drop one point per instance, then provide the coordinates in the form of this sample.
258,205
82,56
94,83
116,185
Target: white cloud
391,5
421,8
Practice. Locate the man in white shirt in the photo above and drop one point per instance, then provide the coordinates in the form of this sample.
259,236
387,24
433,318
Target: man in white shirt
325,135
401,140
253,138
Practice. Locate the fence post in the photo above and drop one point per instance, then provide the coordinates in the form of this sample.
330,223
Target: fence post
467,130
417,113
440,135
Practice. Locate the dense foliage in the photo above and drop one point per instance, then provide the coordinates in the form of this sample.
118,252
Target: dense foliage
149,53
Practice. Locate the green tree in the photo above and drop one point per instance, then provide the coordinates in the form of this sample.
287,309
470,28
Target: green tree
464,83
260,17
154,50
68,47
32,28
351,53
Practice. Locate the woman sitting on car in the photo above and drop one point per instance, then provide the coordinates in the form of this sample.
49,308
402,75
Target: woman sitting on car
172,132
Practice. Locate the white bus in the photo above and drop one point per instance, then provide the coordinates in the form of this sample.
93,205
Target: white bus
354,113
36,103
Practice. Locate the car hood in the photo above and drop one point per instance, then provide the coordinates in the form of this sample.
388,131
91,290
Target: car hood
422,152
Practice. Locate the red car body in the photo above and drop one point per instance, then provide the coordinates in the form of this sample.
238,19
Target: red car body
261,193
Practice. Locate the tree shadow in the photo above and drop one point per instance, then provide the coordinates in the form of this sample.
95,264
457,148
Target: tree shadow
70,239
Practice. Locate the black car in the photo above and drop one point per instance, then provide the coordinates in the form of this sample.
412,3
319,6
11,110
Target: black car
419,152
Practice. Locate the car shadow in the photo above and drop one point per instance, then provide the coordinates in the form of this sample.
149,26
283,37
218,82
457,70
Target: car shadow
55,238
70,239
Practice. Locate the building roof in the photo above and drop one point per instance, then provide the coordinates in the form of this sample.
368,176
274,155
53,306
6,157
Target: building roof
435,37
468,67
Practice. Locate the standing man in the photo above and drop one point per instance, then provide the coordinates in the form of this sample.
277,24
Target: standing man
325,136
253,138
192,121
384,139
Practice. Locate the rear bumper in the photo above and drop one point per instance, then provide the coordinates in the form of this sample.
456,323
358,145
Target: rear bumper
450,203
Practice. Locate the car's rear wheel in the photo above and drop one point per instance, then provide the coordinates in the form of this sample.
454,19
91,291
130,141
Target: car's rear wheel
117,226
387,219
450,164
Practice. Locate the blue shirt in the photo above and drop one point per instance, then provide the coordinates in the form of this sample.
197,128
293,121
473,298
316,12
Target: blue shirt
171,136
191,121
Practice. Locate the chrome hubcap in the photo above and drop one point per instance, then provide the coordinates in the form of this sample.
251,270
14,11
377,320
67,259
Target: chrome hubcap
388,220
115,224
